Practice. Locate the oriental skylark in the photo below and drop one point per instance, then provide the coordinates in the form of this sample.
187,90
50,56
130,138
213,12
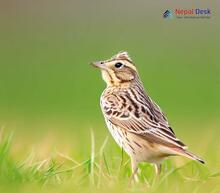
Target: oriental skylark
135,121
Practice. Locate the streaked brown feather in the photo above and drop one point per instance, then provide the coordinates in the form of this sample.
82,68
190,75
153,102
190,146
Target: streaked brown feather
150,124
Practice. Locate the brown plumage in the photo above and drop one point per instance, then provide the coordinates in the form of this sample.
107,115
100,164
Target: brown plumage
135,121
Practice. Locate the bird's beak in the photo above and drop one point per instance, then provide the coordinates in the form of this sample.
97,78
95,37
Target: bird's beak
99,64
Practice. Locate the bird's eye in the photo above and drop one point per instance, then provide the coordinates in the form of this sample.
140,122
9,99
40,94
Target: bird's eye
118,65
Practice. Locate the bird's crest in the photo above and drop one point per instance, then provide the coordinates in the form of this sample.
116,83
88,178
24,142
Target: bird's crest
123,55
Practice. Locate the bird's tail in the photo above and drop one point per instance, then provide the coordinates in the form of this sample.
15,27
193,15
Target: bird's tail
189,155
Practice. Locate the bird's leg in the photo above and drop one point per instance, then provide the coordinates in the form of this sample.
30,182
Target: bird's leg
134,166
158,170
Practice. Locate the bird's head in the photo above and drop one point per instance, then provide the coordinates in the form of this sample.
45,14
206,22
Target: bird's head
117,71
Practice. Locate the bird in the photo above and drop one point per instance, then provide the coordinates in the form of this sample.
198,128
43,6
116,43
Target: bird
135,121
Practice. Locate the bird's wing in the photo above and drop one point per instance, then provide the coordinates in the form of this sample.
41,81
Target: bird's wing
140,115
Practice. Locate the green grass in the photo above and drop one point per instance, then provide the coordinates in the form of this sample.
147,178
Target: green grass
99,172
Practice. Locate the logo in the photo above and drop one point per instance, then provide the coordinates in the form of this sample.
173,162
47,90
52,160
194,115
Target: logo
180,13
167,14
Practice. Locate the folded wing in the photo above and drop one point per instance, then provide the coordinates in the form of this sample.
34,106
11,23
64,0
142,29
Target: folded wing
138,114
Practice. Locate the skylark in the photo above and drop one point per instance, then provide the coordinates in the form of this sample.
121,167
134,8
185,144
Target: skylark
135,121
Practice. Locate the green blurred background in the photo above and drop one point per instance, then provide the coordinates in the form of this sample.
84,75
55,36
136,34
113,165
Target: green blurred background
47,86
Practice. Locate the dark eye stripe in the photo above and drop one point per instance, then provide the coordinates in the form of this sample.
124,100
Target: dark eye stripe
118,65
